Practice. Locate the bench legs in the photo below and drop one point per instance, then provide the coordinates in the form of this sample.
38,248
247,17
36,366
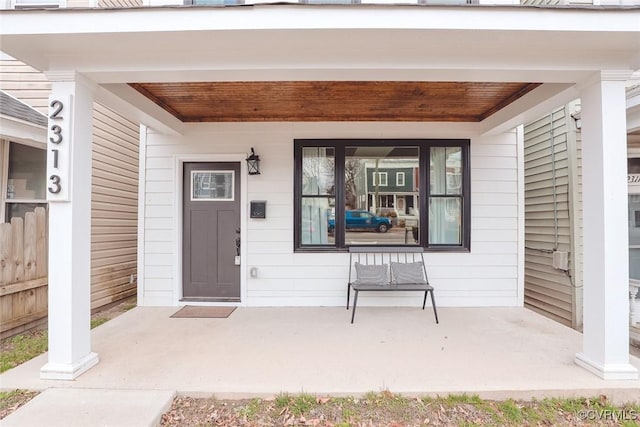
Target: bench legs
424,302
355,302
433,303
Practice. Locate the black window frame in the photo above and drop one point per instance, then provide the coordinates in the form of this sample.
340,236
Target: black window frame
424,146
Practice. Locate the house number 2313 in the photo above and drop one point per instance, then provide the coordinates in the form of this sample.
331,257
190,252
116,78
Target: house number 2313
56,138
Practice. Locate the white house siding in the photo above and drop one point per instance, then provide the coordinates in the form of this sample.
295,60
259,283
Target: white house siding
551,148
485,277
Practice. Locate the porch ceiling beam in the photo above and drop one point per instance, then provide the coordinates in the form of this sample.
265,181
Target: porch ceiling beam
529,107
139,108
297,17
320,73
306,37
308,50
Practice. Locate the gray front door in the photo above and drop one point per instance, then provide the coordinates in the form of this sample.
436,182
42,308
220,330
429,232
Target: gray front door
211,231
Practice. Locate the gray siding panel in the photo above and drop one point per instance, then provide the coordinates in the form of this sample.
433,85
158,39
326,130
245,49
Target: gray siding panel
547,291
114,207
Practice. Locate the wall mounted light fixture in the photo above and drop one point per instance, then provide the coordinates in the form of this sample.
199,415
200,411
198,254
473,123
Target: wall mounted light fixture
253,163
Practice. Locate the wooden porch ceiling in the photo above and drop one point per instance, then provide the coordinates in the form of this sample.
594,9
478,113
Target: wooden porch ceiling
309,101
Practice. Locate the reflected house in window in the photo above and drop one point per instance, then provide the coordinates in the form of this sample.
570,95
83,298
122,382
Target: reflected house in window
391,186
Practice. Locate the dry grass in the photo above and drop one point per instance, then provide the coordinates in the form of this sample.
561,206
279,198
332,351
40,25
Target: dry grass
388,409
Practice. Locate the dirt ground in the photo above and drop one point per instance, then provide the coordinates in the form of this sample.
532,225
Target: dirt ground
387,409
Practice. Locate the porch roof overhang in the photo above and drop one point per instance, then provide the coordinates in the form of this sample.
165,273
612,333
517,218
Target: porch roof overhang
113,48
20,122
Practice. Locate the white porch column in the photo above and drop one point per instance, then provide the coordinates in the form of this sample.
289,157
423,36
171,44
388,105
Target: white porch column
69,195
606,258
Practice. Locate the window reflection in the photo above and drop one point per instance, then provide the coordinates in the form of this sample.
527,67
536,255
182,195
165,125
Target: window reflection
445,191
318,196
369,192
27,170
212,185
26,183
381,195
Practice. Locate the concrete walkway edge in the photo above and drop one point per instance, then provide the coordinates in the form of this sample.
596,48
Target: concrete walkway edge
66,407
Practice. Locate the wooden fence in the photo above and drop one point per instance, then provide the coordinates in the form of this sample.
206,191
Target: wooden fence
23,273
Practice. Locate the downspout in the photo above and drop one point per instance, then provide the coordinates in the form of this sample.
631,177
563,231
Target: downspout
142,187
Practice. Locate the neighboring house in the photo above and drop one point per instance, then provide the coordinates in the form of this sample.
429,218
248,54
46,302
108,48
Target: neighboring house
553,213
23,135
311,88
389,187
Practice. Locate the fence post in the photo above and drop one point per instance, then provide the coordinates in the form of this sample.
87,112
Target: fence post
30,246
17,224
41,242
6,258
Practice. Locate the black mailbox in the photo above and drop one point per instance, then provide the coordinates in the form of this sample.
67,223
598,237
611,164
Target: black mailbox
258,209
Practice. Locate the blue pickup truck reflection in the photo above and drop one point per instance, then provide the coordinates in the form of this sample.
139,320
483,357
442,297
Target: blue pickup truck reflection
363,220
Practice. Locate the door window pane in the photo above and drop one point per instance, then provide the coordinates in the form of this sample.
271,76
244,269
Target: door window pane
212,185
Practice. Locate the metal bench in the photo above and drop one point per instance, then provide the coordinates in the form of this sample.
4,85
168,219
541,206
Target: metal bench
382,255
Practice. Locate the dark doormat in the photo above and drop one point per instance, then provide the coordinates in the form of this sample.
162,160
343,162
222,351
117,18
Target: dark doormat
194,312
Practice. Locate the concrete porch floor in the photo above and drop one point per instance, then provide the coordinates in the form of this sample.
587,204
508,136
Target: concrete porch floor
495,352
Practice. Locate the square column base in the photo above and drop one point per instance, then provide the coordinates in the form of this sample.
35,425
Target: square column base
612,371
61,371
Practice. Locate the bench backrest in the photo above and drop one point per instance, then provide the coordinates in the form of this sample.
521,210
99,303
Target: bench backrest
378,255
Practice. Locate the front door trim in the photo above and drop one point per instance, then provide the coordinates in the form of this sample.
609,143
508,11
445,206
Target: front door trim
179,161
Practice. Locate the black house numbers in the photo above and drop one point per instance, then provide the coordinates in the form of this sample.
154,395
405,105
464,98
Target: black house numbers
56,138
